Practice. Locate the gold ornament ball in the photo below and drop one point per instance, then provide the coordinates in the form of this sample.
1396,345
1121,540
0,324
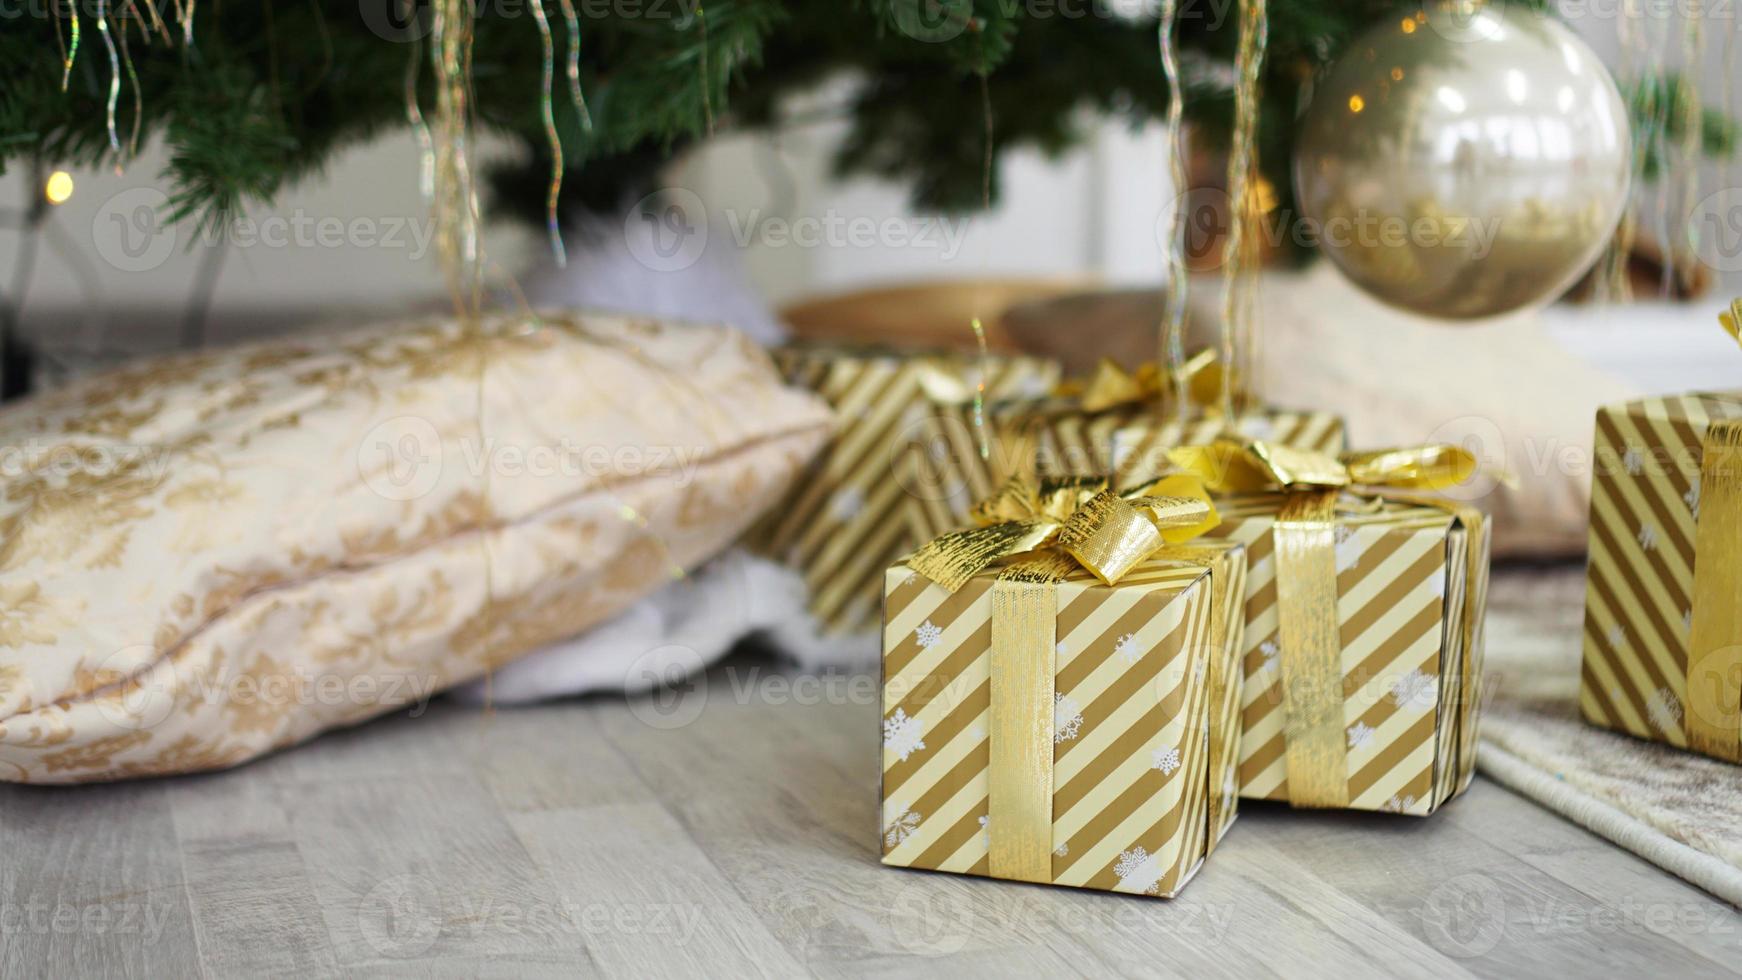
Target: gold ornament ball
1464,161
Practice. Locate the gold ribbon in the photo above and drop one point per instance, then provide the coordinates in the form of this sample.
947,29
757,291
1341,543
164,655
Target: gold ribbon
1714,665
1304,536
1112,386
1051,528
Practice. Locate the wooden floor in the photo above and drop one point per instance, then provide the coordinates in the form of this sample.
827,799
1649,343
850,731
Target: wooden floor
732,831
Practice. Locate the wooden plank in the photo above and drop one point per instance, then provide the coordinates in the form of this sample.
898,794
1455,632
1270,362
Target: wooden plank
1461,894
91,884
646,899
1633,894
415,867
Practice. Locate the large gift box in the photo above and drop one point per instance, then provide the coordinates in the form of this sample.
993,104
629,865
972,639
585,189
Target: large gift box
843,522
1041,724
1663,600
1114,425
1364,623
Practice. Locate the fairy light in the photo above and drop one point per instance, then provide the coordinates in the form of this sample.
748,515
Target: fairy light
58,189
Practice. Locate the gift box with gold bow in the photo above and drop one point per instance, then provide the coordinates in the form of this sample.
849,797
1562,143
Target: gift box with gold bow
1113,423
1663,600
1060,689
842,524
1364,617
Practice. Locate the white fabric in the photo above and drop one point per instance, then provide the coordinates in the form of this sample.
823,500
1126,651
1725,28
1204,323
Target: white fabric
679,630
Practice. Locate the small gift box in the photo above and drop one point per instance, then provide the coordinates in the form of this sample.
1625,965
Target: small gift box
1111,425
1061,688
842,524
1364,617
1663,599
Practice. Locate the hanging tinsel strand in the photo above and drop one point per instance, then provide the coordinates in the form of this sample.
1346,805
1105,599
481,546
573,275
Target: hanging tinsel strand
1239,250
1172,339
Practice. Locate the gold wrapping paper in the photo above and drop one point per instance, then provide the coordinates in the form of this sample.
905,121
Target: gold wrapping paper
1663,630
1309,488
1663,599
842,524
1405,594
1140,691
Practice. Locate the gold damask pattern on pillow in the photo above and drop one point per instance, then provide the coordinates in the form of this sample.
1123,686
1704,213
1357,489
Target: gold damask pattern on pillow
208,557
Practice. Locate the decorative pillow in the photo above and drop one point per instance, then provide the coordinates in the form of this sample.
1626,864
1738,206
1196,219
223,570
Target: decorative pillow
207,557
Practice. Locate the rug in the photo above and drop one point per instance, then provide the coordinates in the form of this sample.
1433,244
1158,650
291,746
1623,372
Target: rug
1681,811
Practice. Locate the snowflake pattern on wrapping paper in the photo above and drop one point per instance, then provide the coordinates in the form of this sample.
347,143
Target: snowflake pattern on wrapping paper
903,735
847,503
1416,690
1632,461
1360,733
985,831
1067,718
1692,499
1399,804
1687,620
1058,650
1648,537
1616,635
1664,709
1063,850
901,828
1272,655
927,634
1127,650
1138,870
1348,550
1165,759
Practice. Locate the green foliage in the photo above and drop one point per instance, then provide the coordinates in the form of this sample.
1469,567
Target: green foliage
269,91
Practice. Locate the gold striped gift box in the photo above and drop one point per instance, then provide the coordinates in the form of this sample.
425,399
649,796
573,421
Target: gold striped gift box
947,471
1145,722
1405,591
842,524
1663,599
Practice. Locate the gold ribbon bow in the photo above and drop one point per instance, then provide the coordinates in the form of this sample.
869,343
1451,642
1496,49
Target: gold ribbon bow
1113,387
1714,664
1055,526
1304,536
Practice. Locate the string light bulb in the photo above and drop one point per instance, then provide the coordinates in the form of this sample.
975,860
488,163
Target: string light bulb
58,188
